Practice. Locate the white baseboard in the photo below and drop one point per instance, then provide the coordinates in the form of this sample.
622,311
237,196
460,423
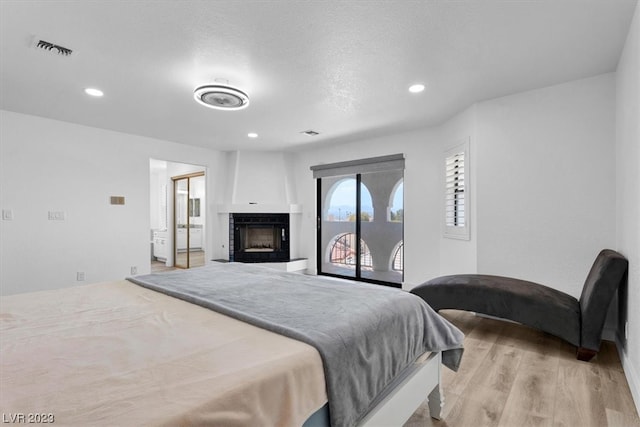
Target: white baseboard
630,372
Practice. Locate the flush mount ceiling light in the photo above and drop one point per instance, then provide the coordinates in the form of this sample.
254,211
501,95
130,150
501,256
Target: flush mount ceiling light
93,92
416,88
252,135
221,97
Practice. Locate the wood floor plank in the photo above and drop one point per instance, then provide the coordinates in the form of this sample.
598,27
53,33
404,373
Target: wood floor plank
464,320
498,369
481,406
487,329
514,376
579,401
475,353
422,418
620,419
608,356
524,420
616,395
532,397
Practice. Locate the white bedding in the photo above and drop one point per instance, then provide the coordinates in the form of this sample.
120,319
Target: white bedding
367,335
119,354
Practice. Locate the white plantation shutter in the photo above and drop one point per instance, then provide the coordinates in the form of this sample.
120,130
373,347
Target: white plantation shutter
456,192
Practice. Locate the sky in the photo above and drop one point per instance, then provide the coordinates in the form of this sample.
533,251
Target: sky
343,198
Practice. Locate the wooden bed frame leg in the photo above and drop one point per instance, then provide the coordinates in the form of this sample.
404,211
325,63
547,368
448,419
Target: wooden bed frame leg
436,403
585,354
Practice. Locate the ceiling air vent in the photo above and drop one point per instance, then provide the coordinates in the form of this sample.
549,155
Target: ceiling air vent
44,45
310,132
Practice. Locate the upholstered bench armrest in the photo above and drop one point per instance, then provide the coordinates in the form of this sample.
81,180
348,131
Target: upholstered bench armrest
609,270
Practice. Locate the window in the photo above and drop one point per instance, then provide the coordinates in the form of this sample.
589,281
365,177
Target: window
361,201
341,204
457,192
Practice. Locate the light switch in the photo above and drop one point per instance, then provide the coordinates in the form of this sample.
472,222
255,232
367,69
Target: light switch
7,214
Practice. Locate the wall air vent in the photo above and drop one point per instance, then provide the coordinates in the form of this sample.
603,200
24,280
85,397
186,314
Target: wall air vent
44,45
310,132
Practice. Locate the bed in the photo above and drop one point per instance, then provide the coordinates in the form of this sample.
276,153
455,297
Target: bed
174,349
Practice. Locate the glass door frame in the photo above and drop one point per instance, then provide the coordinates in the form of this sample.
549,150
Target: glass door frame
358,233
175,180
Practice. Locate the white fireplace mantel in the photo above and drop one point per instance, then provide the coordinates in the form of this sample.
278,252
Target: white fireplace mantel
258,208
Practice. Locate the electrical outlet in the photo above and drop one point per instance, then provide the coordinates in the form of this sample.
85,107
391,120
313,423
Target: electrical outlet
626,330
80,276
134,270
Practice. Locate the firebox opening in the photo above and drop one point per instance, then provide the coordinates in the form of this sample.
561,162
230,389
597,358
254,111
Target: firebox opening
259,237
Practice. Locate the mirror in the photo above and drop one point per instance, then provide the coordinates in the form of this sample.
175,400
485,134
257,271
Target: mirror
189,192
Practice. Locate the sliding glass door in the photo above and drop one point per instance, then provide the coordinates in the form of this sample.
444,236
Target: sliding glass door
338,243
381,225
360,225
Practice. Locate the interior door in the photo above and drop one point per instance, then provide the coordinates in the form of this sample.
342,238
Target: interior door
189,216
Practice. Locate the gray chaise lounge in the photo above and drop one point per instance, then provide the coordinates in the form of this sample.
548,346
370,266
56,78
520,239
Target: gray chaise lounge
579,322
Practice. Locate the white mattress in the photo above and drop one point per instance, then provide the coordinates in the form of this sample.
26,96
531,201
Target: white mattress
119,354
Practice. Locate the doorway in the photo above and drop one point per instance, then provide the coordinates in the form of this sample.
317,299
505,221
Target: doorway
188,220
360,227
162,216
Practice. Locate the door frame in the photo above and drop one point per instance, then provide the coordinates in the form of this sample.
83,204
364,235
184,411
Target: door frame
358,232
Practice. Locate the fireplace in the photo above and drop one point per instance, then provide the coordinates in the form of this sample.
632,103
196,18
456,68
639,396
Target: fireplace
258,237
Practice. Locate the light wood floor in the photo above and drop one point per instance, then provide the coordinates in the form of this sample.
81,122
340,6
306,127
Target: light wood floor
515,376
159,267
196,259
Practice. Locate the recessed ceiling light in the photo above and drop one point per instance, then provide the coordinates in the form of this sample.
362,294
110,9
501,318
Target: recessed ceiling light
416,88
221,97
252,135
93,91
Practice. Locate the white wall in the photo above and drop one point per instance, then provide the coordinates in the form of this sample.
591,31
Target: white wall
542,186
47,165
260,177
158,195
628,198
545,182
460,256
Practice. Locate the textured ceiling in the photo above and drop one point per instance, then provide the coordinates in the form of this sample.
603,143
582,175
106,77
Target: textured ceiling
339,68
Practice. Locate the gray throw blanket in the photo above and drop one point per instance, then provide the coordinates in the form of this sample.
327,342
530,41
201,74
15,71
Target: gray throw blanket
365,334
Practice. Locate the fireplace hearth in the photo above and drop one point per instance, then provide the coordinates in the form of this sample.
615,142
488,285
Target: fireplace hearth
258,237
